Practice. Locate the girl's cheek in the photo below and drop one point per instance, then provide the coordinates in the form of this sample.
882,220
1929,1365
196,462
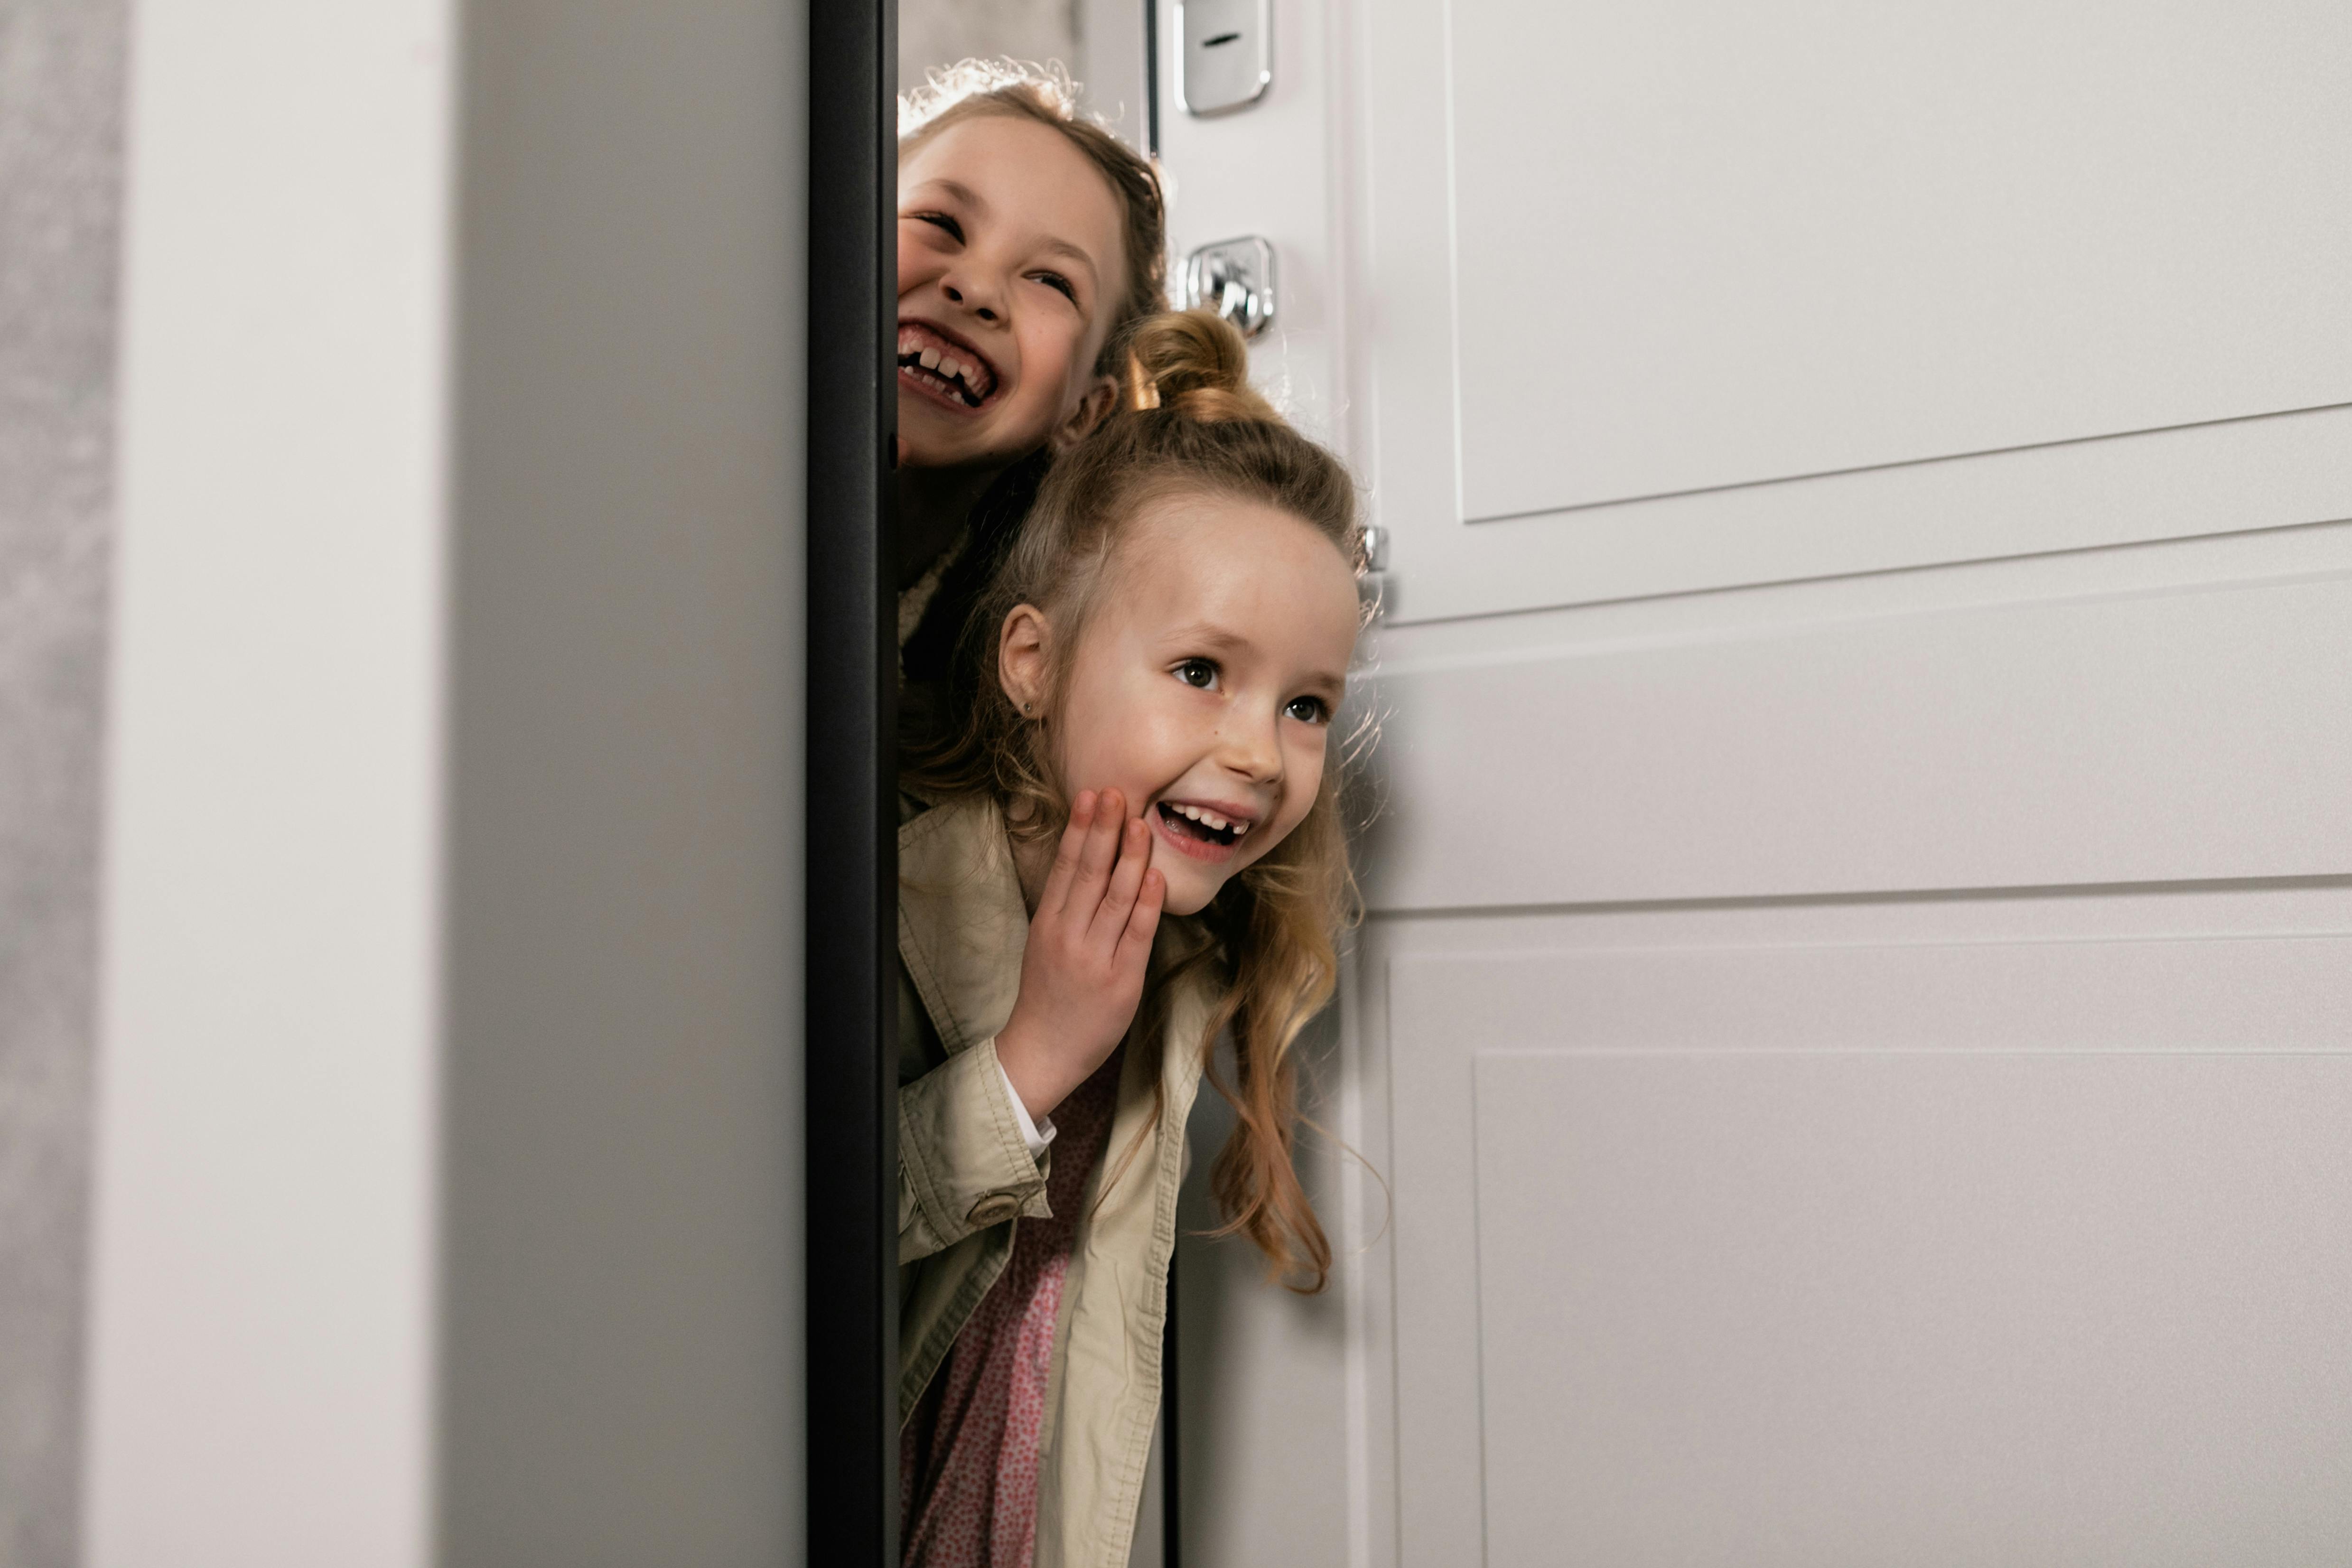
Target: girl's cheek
1060,350
1302,775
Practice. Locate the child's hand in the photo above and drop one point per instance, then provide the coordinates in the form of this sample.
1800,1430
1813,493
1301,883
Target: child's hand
1082,974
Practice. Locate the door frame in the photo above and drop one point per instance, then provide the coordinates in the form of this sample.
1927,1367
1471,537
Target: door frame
852,842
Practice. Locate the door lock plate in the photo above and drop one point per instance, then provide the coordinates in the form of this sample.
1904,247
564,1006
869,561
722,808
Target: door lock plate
1224,59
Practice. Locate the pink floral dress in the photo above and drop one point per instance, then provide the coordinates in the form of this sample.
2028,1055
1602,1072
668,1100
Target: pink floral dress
968,1458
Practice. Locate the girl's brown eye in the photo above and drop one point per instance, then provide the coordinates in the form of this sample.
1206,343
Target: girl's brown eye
1197,672
1309,710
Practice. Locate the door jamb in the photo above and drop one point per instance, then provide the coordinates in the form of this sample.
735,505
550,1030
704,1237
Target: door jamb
851,841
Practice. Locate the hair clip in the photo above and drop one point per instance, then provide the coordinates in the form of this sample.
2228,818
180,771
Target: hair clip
1142,388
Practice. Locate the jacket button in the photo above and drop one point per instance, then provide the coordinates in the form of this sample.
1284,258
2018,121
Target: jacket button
994,1209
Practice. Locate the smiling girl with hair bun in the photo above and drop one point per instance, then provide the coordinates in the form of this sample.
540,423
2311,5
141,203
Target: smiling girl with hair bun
1129,850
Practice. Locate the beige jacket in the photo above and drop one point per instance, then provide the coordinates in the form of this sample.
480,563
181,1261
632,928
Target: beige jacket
965,1176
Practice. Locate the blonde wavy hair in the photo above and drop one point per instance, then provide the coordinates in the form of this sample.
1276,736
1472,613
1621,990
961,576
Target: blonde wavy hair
1190,423
1011,90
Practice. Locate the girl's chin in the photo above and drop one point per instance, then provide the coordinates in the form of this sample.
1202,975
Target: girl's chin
1190,898
927,443
1192,888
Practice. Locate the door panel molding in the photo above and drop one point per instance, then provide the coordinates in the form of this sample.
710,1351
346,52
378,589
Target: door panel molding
2182,736
1931,1307
1740,242
2230,477
2019,321
1449,1014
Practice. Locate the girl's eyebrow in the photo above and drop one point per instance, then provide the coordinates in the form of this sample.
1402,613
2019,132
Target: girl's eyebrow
955,189
1211,636
1323,683
1063,248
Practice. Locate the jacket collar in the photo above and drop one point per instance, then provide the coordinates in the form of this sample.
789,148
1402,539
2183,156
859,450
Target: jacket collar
961,920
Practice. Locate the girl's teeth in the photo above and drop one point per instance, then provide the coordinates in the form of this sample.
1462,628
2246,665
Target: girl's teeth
1206,818
930,359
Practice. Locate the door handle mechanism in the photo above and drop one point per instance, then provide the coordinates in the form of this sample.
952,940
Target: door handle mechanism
1372,585
1234,278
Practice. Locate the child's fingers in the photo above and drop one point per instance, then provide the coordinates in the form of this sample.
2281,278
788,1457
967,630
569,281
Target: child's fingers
1101,850
1142,921
1126,878
1066,859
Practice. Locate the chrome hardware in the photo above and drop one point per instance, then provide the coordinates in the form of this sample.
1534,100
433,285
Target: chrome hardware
1224,59
1233,277
1372,586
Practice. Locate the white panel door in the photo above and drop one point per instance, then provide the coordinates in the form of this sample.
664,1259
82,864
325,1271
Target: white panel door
1696,294
1701,243
1856,1016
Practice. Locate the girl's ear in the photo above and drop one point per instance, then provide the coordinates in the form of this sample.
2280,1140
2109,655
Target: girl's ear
1023,648
1097,402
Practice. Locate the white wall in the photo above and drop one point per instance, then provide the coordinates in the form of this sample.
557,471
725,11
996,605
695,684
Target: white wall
1099,42
448,1171
262,1345
935,33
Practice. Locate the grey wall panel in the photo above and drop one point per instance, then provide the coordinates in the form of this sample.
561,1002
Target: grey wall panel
622,1185
61,65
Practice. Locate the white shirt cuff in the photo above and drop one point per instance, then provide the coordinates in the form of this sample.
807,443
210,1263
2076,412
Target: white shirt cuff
1035,1136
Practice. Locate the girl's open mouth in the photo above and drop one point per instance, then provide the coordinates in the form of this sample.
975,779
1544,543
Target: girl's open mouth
949,369
1198,830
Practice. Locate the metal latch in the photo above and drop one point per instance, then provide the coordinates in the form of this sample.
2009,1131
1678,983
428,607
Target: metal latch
1233,277
1372,587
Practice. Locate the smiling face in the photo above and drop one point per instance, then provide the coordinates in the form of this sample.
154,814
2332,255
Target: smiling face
1011,266
1203,683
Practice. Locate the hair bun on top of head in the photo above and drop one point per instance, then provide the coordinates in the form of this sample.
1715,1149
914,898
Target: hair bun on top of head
1194,362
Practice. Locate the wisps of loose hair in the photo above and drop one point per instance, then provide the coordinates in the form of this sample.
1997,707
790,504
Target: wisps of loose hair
1045,94
1189,423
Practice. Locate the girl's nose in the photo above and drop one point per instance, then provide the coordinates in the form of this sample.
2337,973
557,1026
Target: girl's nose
1253,751
986,312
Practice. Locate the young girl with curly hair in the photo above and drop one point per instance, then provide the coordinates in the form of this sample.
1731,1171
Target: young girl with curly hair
1129,850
